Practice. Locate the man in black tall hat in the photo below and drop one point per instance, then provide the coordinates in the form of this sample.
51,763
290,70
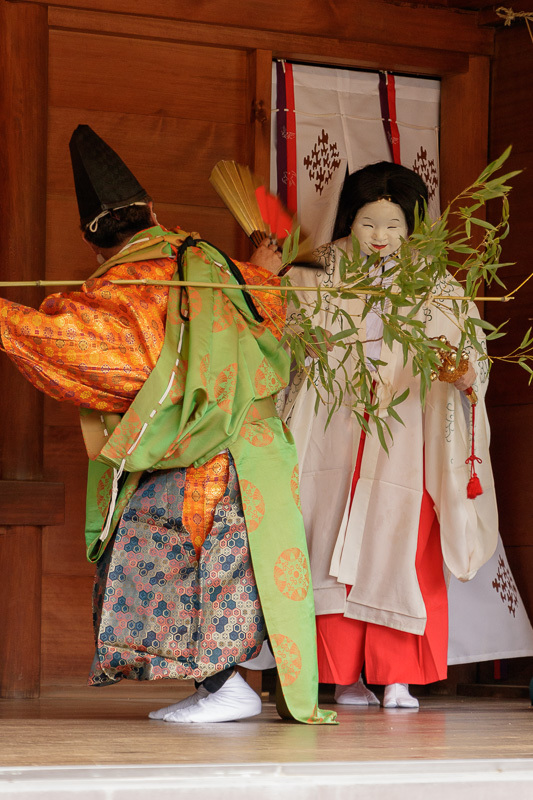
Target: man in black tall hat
175,592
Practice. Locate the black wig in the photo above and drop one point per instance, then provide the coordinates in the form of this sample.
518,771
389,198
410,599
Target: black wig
375,182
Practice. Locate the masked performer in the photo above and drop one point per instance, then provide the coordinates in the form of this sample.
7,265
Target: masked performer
380,526
192,505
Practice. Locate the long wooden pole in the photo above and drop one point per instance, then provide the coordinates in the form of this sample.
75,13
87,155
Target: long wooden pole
247,287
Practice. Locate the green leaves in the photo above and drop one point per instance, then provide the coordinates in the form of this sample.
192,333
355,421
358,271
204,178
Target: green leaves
290,248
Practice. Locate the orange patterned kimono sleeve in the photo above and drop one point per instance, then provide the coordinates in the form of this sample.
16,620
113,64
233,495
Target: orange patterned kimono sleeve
271,305
96,347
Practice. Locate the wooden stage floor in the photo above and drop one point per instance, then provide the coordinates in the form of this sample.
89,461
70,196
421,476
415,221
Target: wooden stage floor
108,727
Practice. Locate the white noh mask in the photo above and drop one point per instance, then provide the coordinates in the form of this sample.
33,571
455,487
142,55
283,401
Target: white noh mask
380,227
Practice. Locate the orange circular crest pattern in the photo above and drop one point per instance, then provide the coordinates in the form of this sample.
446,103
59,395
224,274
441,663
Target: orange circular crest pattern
266,380
204,369
127,494
291,574
103,491
288,658
178,385
172,315
177,450
258,330
124,435
239,320
252,414
191,306
224,276
222,312
259,434
225,386
295,486
195,302
253,505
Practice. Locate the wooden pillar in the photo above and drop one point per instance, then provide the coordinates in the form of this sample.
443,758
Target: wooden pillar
23,110
260,91
464,142
464,127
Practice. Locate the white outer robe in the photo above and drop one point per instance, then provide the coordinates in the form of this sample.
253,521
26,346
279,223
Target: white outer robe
372,545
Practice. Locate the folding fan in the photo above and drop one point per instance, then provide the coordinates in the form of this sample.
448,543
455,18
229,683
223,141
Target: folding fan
258,212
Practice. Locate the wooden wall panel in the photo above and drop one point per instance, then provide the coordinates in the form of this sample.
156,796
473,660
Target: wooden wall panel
172,160
148,77
31,503
521,563
67,636
20,558
512,110
511,459
509,384
63,545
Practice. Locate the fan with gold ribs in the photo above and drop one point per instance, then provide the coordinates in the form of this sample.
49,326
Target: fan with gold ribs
259,213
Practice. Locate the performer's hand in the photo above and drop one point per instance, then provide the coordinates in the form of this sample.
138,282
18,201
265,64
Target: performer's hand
466,380
267,255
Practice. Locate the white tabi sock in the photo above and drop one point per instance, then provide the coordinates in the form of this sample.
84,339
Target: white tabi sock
397,696
355,694
191,700
235,700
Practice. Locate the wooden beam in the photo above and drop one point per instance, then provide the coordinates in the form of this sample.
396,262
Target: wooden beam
295,47
471,5
32,503
270,24
365,55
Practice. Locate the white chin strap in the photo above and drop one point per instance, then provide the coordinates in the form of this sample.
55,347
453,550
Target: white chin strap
93,226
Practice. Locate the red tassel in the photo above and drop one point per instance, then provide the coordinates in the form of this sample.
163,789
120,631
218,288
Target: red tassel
474,488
